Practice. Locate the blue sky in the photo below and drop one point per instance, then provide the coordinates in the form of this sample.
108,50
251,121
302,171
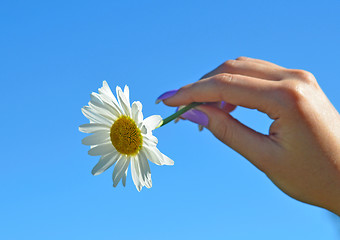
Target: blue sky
53,54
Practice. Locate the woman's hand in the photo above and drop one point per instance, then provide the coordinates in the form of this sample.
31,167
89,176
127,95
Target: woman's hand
301,153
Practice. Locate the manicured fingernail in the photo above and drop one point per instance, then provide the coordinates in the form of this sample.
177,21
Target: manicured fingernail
166,95
196,116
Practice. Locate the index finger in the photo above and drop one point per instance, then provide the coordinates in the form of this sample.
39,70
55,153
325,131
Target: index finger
250,68
235,89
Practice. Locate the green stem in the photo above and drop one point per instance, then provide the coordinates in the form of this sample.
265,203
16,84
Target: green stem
179,113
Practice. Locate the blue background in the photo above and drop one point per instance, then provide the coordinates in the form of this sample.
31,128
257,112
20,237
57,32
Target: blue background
53,54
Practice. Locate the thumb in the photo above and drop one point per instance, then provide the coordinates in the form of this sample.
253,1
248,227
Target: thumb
256,147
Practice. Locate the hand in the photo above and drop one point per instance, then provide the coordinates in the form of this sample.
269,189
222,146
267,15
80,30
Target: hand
301,153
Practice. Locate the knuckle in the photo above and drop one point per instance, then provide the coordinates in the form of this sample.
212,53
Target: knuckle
228,64
223,79
222,82
291,93
242,58
302,75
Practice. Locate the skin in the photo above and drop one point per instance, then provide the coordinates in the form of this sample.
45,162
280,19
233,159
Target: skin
301,153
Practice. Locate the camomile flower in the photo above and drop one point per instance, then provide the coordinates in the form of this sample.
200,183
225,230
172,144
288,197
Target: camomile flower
121,136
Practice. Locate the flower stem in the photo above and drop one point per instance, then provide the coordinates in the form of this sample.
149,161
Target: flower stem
179,113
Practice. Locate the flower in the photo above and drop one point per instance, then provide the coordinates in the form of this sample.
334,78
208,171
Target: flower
121,136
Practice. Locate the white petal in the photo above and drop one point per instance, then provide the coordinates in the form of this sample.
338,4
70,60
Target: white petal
105,90
152,122
137,114
127,93
108,97
124,178
135,172
95,117
120,169
102,149
167,160
112,104
155,156
124,103
93,127
103,112
150,140
152,155
144,130
97,101
145,170
97,138
105,162
103,102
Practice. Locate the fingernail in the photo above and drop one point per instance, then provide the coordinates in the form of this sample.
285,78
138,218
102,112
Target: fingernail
196,116
166,95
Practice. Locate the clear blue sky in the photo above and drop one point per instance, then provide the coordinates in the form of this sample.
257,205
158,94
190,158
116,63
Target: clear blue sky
53,54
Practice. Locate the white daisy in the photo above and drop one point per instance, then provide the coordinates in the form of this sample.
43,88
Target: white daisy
121,136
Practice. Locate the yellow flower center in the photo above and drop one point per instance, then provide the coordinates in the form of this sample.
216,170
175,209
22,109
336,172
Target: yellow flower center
126,136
